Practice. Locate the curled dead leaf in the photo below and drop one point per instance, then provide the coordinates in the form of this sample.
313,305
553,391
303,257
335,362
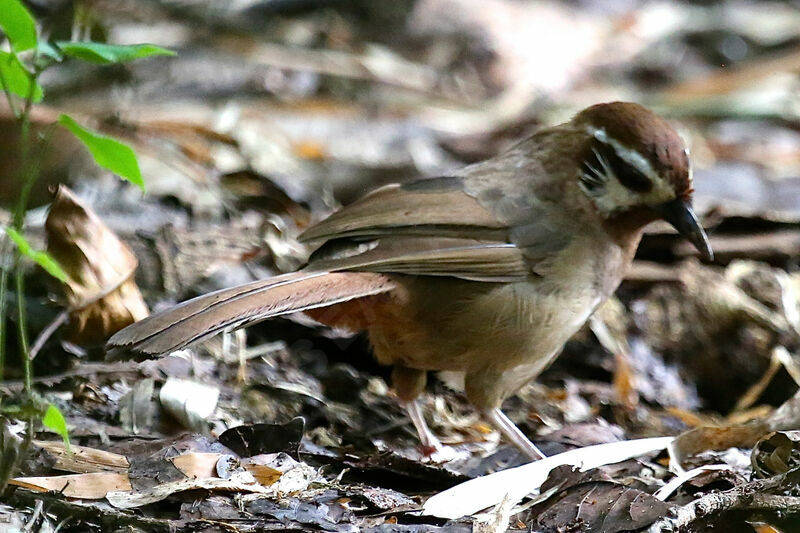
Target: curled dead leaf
101,293
776,453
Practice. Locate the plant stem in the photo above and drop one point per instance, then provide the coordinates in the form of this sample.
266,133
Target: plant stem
28,175
3,297
4,248
27,365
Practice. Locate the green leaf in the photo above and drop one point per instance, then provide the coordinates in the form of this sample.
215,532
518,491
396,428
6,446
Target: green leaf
17,23
17,79
109,153
49,52
43,259
54,420
107,54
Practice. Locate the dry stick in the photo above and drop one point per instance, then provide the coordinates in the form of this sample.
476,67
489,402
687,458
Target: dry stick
47,332
749,496
37,511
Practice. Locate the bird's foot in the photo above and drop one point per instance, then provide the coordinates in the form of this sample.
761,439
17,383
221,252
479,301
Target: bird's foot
430,446
440,455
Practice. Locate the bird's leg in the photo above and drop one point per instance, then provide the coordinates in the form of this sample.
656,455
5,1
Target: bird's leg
510,431
430,444
408,384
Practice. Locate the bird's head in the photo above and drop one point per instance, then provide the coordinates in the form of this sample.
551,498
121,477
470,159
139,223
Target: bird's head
634,162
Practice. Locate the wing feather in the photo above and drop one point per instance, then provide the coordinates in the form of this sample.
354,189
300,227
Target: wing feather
442,208
427,256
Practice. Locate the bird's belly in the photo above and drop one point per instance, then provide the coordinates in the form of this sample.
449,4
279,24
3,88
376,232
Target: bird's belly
470,326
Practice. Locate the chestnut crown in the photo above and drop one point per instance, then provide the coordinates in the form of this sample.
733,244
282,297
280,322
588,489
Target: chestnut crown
632,157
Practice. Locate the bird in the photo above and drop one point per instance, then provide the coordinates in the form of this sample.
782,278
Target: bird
484,272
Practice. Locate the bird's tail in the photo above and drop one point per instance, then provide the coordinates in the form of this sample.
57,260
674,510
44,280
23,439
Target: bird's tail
227,309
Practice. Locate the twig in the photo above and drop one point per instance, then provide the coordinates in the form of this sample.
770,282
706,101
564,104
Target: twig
47,332
37,510
85,369
749,496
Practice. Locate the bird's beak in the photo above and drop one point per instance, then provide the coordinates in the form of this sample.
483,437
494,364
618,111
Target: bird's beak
680,214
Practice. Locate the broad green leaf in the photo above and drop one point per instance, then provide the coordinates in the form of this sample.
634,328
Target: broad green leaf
17,79
43,259
17,23
107,54
109,153
54,420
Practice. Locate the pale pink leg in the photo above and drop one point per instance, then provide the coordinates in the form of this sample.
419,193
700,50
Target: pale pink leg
426,437
512,433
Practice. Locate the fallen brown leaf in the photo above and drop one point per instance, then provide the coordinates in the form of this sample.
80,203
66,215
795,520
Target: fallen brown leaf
101,293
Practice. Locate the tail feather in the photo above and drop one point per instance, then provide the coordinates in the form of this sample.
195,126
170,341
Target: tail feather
206,315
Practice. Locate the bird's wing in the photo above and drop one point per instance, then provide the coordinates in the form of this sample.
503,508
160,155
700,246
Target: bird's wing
429,227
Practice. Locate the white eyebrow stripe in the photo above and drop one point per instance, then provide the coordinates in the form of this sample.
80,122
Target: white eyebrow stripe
631,156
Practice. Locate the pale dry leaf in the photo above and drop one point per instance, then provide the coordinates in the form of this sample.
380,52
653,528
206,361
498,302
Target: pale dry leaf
92,486
495,520
280,471
675,483
480,493
239,482
101,294
197,465
136,407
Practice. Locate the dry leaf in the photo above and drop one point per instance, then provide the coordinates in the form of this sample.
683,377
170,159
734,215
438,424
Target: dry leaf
93,486
197,465
136,407
482,492
82,460
700,439
239,482
264,474
776,453
101,293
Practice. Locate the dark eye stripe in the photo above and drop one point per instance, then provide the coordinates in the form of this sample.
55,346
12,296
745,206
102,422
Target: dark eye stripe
630,176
